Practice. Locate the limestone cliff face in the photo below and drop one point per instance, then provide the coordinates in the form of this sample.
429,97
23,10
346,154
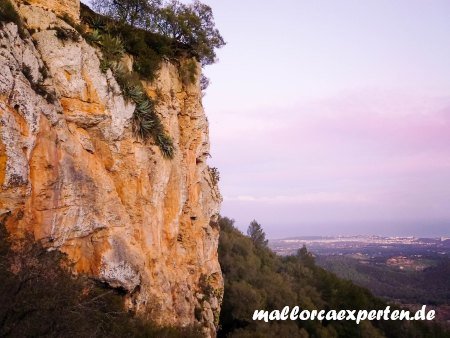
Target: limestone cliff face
73,174
71,8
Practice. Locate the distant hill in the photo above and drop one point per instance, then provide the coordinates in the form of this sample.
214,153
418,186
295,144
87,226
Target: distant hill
430,286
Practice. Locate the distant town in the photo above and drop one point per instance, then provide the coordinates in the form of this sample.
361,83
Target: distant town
371,246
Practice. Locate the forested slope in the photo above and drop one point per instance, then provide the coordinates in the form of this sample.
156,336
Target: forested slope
256,278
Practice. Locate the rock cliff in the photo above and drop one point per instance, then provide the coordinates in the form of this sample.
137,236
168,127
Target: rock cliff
73,174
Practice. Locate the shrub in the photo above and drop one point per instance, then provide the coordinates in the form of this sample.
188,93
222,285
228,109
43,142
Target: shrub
205,287
147,64
38,86
48,94
44,72
97,22
112,47
130,84
147,48
105,65
26,70
164,142
94,37
66,34
215,175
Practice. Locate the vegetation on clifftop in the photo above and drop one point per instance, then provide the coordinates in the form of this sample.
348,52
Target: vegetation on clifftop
189,29
115,39
150,31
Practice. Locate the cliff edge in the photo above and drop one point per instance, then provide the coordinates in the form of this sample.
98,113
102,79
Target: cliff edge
73,174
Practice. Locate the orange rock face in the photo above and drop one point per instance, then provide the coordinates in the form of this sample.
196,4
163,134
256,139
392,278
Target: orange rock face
73,174
60,7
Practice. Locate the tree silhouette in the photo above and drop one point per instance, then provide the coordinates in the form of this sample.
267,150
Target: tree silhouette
257,235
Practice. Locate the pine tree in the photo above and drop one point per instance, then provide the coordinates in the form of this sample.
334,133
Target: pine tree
257,235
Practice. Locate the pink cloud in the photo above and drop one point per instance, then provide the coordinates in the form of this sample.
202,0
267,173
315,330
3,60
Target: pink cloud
384,154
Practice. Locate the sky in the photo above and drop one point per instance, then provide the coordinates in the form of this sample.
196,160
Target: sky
333,117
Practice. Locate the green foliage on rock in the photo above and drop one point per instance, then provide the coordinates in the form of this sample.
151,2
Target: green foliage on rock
146,122
112,47
215,175
66,34
38,85
150,31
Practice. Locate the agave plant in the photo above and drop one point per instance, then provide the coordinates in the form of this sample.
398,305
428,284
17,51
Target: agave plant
143,107
135,93
132,93
142,127
95,37
165,143
119,69
130,84
112,46
105,64
97,22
